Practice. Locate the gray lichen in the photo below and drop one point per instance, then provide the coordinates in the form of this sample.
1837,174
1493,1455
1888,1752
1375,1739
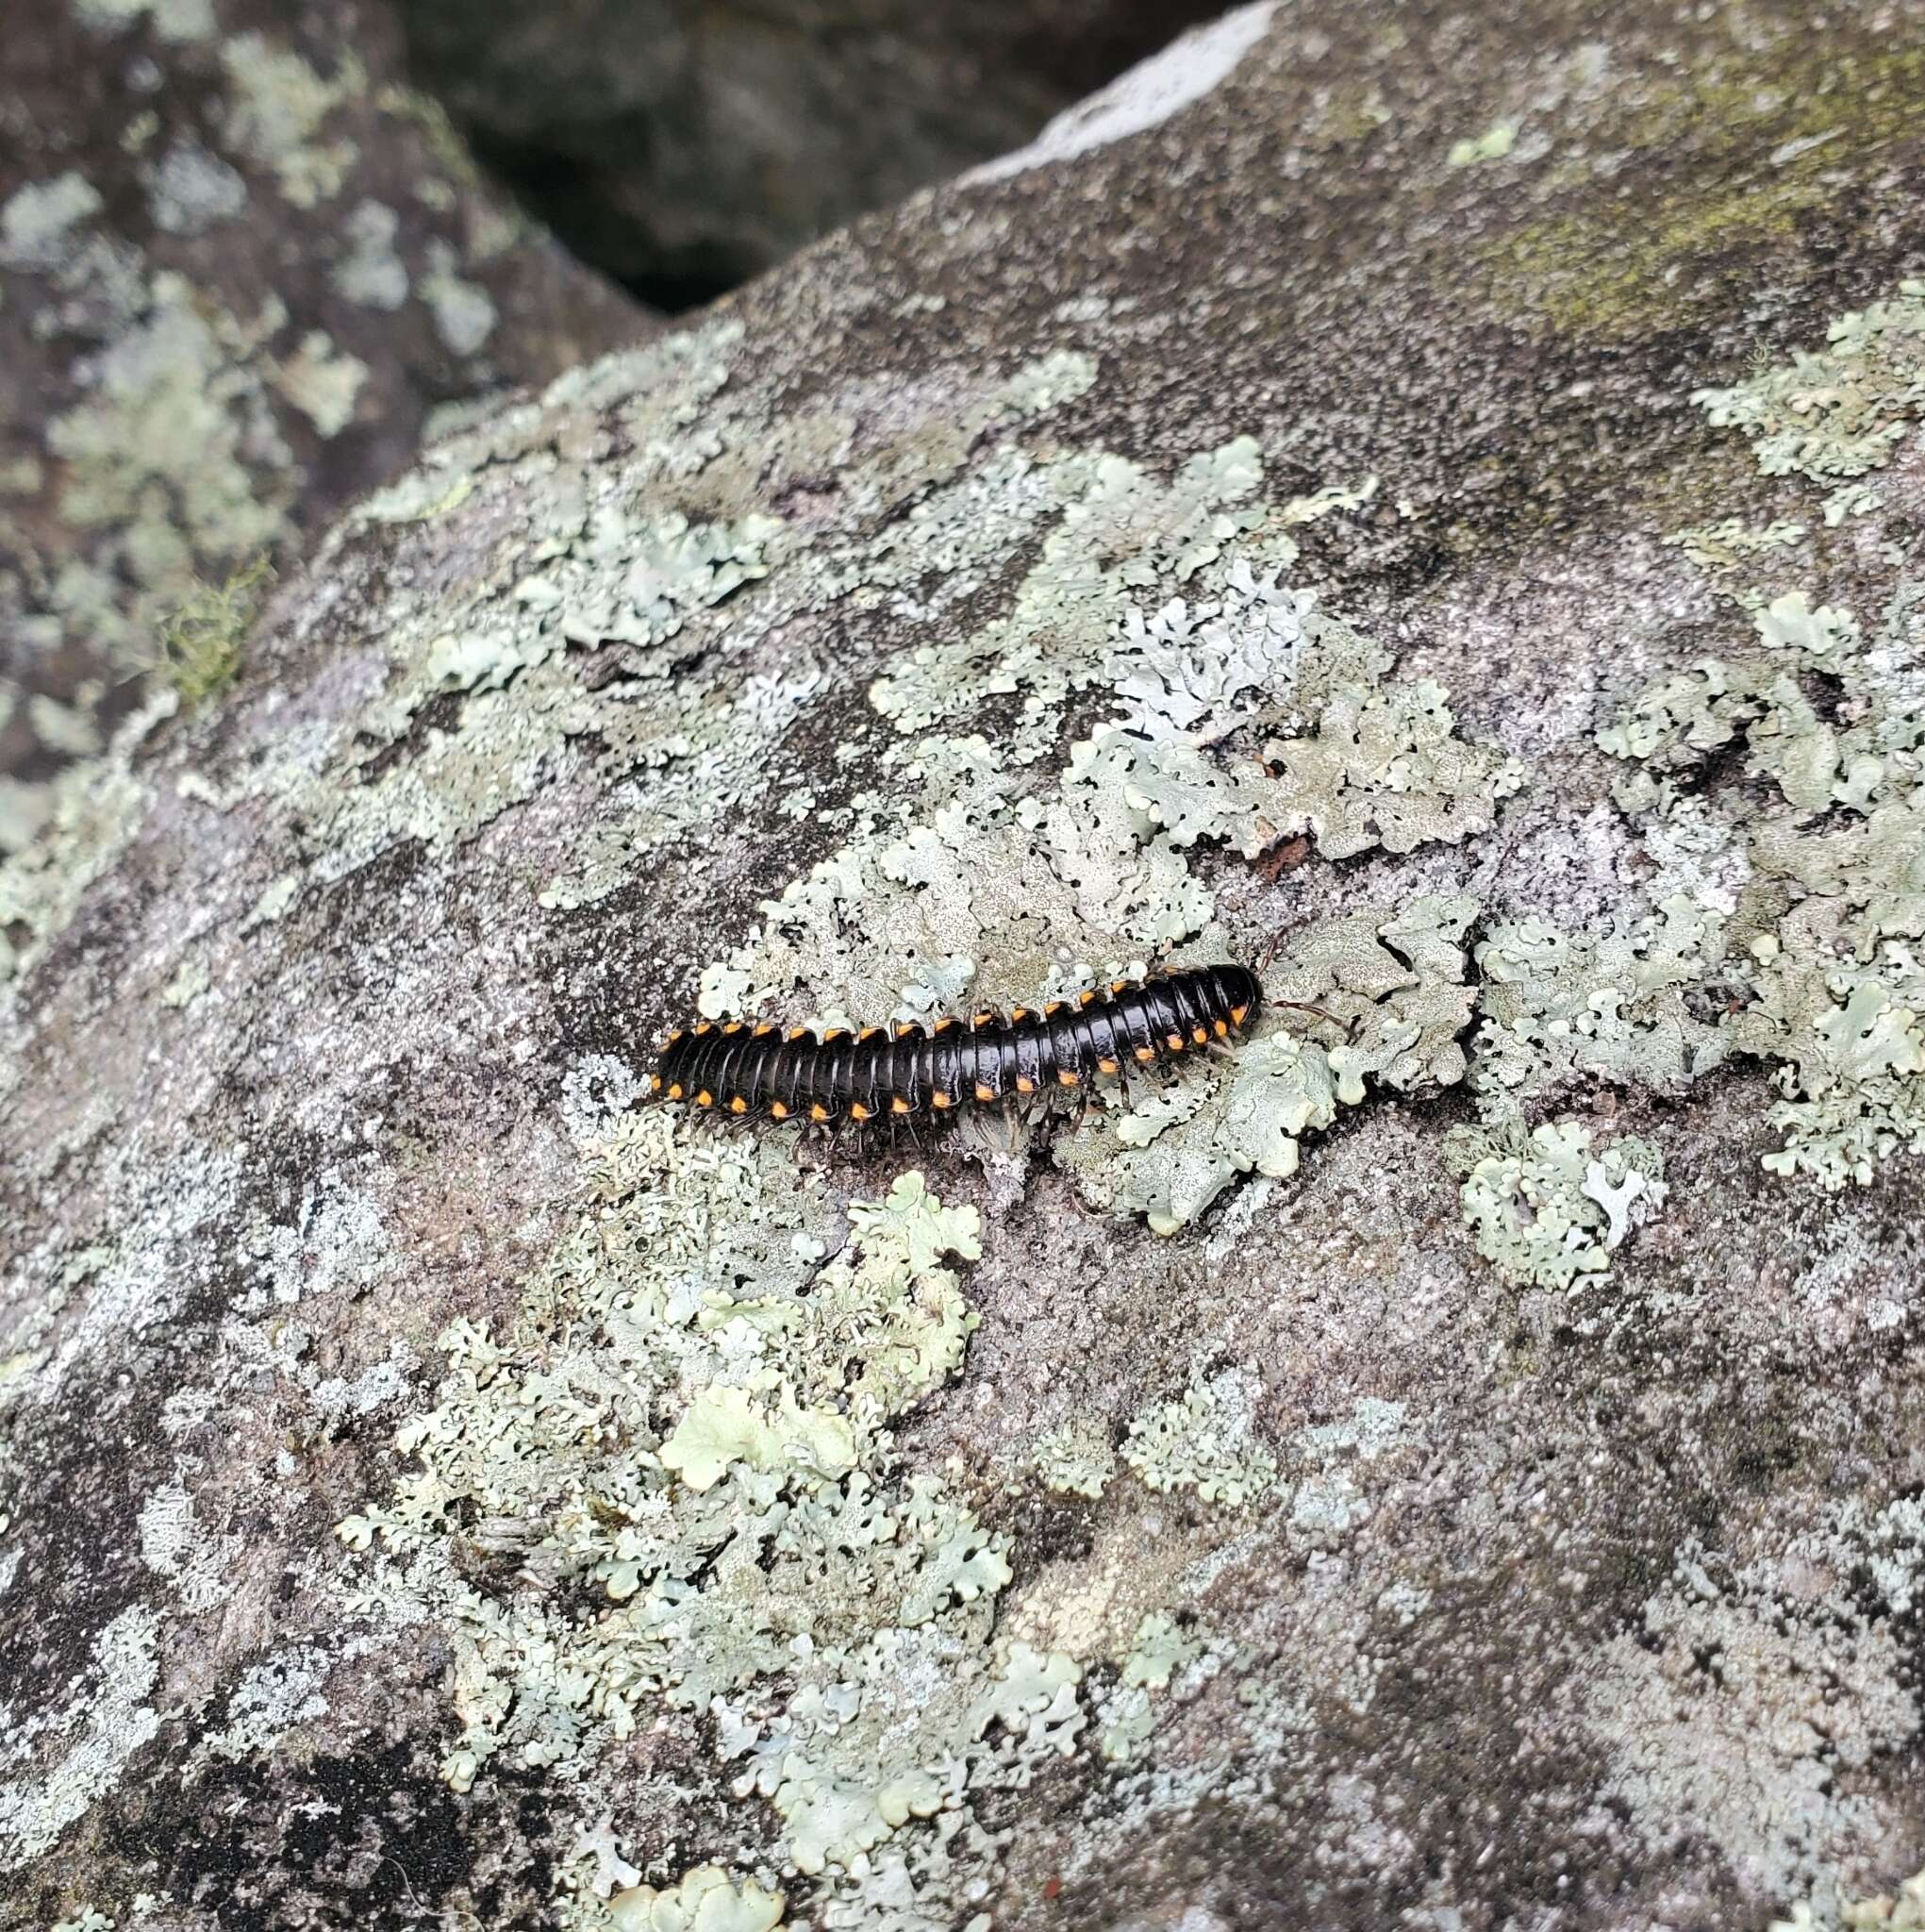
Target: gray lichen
815,1538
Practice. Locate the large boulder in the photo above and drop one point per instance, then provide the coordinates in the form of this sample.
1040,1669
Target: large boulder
244,267
1427,506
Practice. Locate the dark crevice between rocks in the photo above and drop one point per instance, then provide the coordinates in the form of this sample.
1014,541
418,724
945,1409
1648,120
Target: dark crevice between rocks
689,149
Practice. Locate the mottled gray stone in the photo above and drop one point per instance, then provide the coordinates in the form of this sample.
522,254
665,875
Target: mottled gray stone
438,1494
242,267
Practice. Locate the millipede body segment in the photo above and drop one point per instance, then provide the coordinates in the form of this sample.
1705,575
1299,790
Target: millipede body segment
740,1068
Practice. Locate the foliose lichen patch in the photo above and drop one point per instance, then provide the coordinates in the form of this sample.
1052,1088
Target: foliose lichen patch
775,1533
220,329
714,1467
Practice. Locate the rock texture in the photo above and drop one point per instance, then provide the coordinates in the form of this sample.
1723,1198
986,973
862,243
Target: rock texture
687,147
1433,496
243,268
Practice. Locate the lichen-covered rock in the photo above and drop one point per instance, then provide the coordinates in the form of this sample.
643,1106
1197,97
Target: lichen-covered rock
1454,1461
243,269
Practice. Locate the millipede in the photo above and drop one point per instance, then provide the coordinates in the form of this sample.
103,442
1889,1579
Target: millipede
758,1070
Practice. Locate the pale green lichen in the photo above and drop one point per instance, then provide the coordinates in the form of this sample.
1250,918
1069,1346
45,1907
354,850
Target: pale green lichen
107,1720
277,110
190,980
1848,1038
173,457
705,1900
1770,1769
1331,498
463,311
200,1567
321,382
37,222
1834,413
174,19
97,806
1731,542
1622,1002
1902,1912
1160,1650
1494,144
171,437
1205,1441
1049,382
273,902
189,191
370,273
1820,638
1827,986
1547,1208
762,1552
1076,1459
1393,985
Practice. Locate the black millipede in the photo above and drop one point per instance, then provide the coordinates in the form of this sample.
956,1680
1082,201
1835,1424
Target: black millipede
744,1069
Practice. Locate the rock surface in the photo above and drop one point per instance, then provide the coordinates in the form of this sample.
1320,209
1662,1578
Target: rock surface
687,147
243,268
439,1493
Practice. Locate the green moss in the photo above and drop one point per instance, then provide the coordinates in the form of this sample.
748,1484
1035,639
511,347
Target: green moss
200,643
1780,132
